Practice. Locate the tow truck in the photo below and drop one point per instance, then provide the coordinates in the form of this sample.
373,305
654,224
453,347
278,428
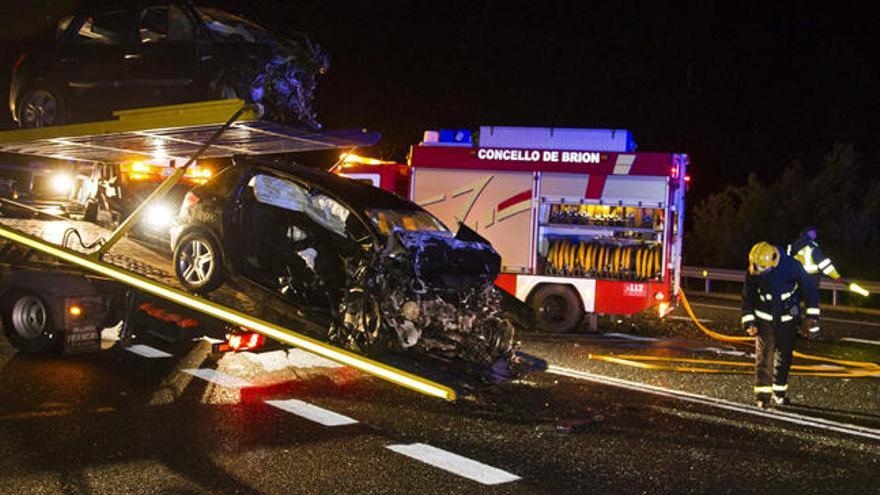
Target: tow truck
63,279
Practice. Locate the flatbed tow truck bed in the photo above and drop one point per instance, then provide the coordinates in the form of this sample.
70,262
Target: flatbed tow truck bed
76,275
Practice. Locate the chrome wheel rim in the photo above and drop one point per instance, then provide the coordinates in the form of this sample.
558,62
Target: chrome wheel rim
196,262
29,317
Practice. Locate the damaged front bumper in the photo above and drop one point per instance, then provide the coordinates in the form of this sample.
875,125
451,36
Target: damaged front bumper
434,295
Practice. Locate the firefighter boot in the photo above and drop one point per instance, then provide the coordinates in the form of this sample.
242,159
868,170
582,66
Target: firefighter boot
779,399
762,400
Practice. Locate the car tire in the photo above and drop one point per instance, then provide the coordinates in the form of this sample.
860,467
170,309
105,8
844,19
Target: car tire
41,106
27,323
557,308
361,327
198,262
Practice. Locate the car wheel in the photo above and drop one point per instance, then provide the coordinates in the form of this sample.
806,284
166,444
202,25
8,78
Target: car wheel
197,262
557,308
361,326
40,107
27,323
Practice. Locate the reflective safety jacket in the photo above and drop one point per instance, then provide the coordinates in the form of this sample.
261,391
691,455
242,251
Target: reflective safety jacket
811,256
774,295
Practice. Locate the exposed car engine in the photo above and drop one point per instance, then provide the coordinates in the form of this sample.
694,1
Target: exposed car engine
430,293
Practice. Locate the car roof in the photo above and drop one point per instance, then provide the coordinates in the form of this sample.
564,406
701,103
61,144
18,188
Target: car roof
357,194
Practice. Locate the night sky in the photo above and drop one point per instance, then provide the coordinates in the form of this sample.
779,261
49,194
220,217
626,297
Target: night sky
738,87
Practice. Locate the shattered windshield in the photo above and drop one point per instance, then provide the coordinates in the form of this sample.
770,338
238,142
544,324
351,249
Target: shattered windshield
387,221
231,26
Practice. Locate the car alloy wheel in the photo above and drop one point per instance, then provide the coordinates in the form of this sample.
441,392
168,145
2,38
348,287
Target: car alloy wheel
40,108
197,262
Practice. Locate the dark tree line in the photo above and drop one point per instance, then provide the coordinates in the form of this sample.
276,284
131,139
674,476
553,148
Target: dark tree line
841,198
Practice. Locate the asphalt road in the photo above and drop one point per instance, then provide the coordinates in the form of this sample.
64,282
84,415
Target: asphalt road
121,422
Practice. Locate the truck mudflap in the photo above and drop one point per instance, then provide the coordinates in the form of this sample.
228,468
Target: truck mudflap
83,319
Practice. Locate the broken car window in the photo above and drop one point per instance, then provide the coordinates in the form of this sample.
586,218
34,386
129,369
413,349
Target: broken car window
279,192
387,221
322,209
328,212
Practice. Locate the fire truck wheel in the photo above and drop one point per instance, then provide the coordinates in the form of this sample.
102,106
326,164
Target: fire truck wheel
27,323
557,308
197,262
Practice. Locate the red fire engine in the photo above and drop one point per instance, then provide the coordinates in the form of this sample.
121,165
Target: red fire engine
584,224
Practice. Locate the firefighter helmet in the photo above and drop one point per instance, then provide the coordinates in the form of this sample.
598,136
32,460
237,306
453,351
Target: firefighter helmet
763,257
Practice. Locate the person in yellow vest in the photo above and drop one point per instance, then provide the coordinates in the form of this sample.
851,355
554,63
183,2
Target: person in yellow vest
807,251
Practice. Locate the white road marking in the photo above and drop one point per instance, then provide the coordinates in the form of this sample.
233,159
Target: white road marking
147,351
686,318
298,358
303,359
861,341
454,463
217,377
312,412
785,416
824,318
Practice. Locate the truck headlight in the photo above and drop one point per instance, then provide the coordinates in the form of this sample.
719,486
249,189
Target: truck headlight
62,183
158,216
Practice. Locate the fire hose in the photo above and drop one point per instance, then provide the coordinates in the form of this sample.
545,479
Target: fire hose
834,368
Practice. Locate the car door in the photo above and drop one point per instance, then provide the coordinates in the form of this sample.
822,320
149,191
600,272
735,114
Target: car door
162,69
93,57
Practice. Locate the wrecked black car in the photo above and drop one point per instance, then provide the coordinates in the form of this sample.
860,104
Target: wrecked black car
382,272
110,56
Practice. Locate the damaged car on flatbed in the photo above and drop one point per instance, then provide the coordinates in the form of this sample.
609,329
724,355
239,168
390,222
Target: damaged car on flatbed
380,272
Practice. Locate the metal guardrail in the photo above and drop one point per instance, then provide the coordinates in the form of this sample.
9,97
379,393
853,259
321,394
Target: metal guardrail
708,274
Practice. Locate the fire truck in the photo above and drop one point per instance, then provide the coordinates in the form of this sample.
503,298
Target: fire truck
585,225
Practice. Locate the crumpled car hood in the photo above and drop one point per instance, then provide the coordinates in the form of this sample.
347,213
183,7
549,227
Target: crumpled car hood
446,262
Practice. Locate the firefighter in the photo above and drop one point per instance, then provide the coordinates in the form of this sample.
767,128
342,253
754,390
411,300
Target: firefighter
770,312
807,251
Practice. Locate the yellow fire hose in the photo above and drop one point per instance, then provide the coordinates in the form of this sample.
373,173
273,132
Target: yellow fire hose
843,368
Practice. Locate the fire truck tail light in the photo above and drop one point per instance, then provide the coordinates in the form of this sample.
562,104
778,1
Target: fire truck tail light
687,178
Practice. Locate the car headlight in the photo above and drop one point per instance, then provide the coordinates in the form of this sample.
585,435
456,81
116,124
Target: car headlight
158,216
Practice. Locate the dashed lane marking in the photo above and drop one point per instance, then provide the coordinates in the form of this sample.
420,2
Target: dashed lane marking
779,415
217,377
861,341
147,351
312,412
454,463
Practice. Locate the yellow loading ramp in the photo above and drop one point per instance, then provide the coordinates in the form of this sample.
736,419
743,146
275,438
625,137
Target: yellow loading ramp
200,130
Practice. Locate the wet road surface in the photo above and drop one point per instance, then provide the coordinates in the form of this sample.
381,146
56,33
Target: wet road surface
141,421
